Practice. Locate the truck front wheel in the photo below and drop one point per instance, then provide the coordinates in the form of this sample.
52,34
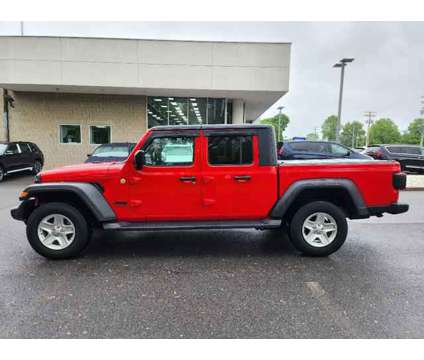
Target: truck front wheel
318,228
57,231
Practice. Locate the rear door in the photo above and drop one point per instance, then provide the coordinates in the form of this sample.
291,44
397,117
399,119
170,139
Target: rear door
234,184
26,155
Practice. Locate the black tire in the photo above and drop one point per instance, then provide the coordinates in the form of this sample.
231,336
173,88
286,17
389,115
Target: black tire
37,167
296,228
2,173
82,231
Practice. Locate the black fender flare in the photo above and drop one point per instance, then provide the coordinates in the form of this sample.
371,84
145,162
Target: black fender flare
283,204
88,193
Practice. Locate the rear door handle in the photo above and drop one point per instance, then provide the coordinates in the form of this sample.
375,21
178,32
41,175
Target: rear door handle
191,179
242,178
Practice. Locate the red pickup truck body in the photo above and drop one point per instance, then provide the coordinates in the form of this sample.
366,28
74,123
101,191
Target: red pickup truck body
198,194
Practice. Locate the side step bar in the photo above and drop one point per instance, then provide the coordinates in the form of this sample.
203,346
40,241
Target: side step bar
193,225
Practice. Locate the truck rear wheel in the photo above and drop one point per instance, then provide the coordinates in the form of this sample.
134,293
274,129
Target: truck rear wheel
57,231
318,228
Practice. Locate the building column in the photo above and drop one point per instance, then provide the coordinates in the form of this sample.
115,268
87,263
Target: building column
238,111
3,124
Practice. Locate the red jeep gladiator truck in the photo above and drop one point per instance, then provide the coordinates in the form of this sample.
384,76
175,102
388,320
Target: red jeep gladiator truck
208,177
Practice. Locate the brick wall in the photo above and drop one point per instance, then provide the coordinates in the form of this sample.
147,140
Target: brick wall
37,116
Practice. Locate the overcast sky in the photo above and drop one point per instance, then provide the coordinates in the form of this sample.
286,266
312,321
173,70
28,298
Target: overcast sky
387,76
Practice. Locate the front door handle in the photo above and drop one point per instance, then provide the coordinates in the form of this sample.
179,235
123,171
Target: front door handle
242,178
191,179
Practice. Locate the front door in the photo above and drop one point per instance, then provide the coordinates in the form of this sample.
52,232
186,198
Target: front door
235,185
167,188
13,158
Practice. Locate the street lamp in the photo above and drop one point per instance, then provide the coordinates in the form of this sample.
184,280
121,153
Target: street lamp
341,64
422,126
280,108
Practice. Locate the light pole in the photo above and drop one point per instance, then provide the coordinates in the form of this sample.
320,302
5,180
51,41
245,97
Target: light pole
280,108
341,64
369,121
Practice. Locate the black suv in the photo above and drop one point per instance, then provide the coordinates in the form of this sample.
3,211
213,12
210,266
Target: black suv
410,157
20,156
303,150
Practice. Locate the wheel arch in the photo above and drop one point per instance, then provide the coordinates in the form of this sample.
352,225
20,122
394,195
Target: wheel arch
84,196
341,192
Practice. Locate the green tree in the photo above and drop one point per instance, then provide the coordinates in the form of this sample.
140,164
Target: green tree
353,134
384,131
328,128
413,134
313,136
274,121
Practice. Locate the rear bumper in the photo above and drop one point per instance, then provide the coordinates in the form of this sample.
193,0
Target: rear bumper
391,209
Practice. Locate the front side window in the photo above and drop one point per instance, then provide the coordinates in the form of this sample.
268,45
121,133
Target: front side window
230,150
12,149
100,135
170,151
70,134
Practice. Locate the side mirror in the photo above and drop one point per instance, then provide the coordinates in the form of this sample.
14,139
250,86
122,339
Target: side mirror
8,152
88,155
139,159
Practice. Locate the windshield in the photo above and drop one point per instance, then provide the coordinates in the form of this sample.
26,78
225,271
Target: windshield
112,151
3,148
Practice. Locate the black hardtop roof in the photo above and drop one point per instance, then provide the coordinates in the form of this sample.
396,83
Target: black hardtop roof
211,127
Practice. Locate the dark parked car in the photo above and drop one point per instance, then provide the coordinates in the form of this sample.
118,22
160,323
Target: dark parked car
20,156
302,150
110,152
410,157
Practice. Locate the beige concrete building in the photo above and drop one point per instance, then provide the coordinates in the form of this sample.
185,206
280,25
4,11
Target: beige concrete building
70,94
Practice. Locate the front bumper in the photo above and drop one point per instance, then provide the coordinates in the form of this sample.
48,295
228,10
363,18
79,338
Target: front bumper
22,212
395,208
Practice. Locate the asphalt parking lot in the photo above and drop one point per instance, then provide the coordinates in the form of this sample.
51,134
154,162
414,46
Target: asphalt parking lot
219,284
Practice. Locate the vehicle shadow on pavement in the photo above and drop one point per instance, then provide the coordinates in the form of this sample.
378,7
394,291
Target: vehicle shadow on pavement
232,243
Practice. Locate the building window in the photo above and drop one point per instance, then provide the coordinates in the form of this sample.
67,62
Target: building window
187,111
230,150
100,135
70,134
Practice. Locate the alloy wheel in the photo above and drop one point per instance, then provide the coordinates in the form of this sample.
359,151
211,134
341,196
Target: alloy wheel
319,229
56,231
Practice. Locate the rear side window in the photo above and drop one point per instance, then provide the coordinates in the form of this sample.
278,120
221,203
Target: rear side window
33,147
415,150
230,150
25,148
310,147
338,150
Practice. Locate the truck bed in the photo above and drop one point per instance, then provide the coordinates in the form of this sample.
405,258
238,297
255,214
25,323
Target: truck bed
373,178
